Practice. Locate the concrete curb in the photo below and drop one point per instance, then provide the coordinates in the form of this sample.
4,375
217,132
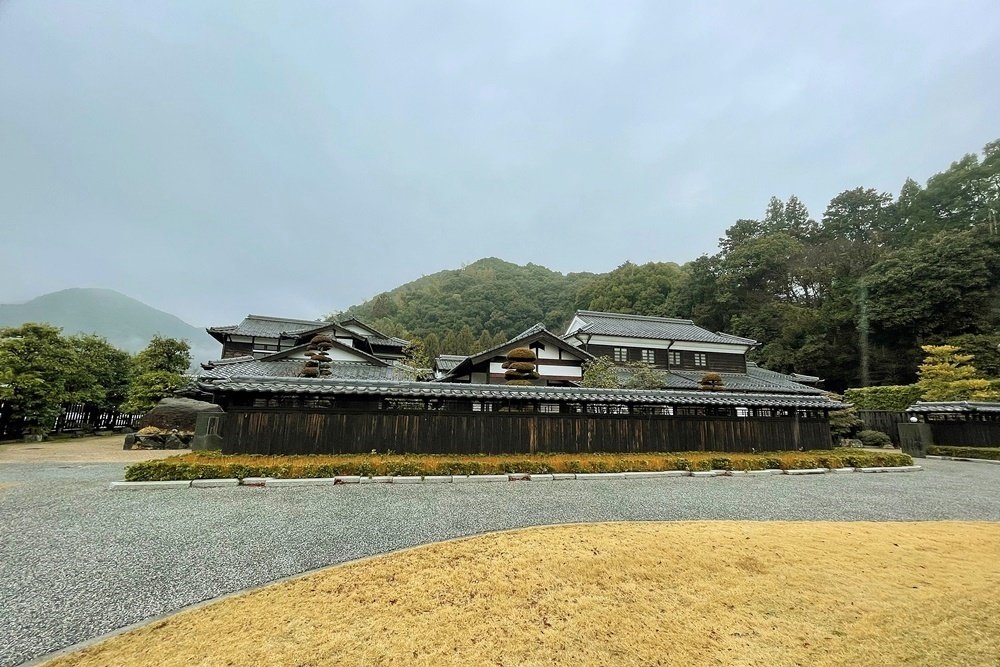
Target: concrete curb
214,483
146,486
962,458
272,482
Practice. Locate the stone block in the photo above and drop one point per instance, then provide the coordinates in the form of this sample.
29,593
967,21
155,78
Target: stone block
600,475
347,479
480,478
437,479
540,478
302,481
407,479
807,471
254,481
563,476
214,483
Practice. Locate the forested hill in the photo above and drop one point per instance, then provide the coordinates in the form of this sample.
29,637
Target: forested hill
849,295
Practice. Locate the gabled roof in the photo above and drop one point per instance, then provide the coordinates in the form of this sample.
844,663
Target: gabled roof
292,368
536,332
644,326
334,386
361,354
266,326
446,362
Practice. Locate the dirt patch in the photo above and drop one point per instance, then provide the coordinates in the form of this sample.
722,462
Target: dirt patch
684,593
101,449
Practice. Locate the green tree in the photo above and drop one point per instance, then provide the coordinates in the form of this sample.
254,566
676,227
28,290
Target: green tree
641,375
948,375
600,372
101,372
35,364
432,346
169,355
147,389
159,370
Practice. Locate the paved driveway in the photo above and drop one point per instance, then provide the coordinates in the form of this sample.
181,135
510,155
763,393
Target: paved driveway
77,560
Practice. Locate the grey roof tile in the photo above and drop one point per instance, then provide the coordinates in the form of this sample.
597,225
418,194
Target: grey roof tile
327,386
966,407
656,328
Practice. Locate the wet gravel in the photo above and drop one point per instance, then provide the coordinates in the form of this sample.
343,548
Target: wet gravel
77,560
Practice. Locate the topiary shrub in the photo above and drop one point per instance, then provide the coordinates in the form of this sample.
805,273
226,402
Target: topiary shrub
893,398
520,367
874,439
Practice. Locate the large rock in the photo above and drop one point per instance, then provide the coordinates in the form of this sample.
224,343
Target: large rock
176,414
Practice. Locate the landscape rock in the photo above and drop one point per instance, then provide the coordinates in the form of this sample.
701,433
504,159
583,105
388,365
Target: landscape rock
130,440
173,442
178,414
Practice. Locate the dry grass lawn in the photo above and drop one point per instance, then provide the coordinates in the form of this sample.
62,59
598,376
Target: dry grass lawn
689,593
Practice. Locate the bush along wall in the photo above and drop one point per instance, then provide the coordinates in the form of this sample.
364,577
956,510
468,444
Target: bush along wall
989,453
893,398
211,465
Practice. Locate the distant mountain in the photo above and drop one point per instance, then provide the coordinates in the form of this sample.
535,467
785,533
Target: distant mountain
126,322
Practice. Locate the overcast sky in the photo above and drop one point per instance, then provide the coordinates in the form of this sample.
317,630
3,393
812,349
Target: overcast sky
292,158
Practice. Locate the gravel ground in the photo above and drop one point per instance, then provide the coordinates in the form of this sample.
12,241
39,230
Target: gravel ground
77,561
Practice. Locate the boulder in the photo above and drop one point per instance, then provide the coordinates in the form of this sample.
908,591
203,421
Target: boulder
176,414
130,440
173,442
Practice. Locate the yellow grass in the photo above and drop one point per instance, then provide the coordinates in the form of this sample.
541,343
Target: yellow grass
691,593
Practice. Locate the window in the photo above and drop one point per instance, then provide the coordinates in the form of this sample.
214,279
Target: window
674,358
621,355
648,357
700,359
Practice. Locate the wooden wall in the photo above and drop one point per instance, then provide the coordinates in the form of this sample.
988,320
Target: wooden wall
721,362
966,434
885,421
277,431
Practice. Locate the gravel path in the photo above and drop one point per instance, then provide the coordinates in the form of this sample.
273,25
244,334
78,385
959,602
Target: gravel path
77,561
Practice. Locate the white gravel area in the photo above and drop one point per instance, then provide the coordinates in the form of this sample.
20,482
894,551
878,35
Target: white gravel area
78,560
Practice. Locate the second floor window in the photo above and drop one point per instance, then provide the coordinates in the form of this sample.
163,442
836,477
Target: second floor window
700,359
674,359
621,355
648,357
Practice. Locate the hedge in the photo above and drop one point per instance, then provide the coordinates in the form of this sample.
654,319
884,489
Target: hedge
212,465
991,453
894,398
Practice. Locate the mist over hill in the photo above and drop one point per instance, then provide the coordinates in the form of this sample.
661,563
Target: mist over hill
127,323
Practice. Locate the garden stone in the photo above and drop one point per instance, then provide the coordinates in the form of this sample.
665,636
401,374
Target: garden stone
130,440
173,442
176,414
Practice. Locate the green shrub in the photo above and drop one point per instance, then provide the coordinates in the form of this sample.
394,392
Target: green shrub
989,453
894,398
874,439
202,465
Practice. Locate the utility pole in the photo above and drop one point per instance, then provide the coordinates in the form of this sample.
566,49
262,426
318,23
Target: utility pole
863,332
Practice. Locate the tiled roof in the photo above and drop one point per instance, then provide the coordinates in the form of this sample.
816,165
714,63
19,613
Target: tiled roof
534,330
327,386
966,407
755,380
292,368
391,341
266,326
657,328
446,362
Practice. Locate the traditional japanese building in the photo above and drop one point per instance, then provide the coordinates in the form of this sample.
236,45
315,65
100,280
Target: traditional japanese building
558,362
262,346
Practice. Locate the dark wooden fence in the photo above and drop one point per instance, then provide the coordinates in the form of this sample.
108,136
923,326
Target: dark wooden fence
885,421
74,417
275,431
966,433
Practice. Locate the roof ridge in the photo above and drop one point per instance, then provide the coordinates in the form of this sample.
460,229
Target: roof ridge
627,316
271,318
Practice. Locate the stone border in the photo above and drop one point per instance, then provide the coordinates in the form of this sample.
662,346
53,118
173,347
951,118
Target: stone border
273,482
962,458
